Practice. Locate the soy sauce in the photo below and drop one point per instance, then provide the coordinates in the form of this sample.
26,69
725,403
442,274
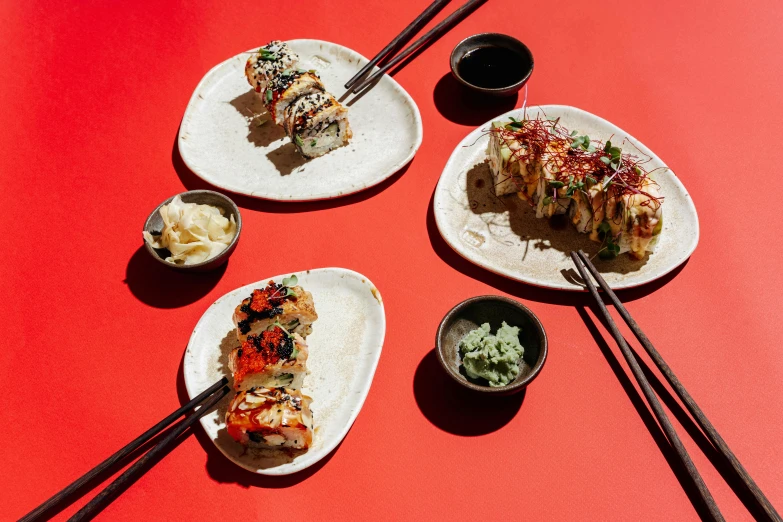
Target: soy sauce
493,67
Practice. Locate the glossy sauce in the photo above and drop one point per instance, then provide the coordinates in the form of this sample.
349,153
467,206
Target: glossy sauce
493,67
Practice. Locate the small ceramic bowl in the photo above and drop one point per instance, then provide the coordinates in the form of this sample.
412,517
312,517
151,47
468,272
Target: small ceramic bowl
493,40
492,309
154,224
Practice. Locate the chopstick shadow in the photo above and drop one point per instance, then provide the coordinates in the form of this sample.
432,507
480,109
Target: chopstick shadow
458,104
89,486
222,470
146,277
716,458
639,403
456,409
522,290
193,182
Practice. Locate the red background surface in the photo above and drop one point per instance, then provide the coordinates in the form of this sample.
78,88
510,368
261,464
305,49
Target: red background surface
93,331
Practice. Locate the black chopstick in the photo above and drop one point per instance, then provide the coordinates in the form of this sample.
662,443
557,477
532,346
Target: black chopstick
444,26
121,454
652,400
683,394
401,39
129,475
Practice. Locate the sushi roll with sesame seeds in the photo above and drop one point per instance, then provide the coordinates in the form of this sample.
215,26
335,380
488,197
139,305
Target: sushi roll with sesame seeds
272,358
269,61
290,306
317,123
288,86
271,418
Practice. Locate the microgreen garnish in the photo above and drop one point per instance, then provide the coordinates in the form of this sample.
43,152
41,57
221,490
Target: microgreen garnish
556,184
582,141
290,281
266,54
313,143
611,248
298,140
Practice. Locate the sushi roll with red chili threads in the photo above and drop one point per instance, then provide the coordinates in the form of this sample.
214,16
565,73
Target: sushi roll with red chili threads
269,61
271,418
317,123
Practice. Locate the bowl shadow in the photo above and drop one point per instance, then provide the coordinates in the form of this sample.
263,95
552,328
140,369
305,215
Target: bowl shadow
456,409
458,104
154,284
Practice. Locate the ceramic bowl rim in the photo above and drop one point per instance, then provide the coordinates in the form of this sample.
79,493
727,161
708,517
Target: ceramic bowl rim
222,256
509,88
516,385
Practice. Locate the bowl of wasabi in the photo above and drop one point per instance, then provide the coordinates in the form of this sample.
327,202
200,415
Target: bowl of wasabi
492,344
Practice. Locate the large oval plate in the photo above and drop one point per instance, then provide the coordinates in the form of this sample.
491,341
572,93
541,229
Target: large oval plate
344,350
221,141
504,236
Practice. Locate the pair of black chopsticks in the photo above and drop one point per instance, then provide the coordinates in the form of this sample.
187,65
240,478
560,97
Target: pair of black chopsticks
581,261
206,400
361,80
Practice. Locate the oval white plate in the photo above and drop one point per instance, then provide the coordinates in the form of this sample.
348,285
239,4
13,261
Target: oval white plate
344,350
220,144
504,236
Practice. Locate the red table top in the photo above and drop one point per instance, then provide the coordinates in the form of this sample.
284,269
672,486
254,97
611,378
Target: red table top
94,331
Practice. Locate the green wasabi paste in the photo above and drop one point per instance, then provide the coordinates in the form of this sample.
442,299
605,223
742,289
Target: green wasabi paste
492,357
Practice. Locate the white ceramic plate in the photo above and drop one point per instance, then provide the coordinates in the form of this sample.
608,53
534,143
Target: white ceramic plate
344,350
504,236
221,142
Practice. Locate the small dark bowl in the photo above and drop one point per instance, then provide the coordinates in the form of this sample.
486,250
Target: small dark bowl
492,309
491,40
154,223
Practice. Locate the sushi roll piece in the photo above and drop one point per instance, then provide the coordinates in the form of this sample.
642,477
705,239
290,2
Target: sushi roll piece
270,359
634,218
290,306
270,60
509,160
286,87
271,418
317,123
550,195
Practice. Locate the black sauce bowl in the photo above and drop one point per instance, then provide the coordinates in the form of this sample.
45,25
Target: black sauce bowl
477,41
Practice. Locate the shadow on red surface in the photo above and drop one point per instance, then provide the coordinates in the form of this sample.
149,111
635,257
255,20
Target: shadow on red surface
222,470
193,182
522,290
458,104
156,285
456,409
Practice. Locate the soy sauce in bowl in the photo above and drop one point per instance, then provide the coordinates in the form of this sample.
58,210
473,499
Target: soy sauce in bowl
492,63
493,67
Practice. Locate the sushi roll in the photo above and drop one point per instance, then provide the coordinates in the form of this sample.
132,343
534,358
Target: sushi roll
316,124
270,60
508,160
634,218
550,196
292,307
271,418
286,87
272,358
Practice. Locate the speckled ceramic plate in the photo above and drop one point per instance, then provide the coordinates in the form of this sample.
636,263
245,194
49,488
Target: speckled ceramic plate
344,349
503,235
221,141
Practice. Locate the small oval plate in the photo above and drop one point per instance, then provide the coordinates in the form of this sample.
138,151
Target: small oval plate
344,349
503,235
223,141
